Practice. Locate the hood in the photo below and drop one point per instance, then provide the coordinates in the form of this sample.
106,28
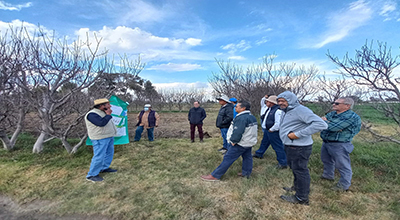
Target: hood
290,98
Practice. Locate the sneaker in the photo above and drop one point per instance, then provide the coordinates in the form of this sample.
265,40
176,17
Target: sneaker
209,178
338,188
289,189
280,167
94,178
201,141
109,170
192,141
326,178
223,150
256,156
294,200
241,175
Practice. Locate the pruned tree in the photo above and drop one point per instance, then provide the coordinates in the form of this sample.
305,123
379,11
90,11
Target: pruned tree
374,69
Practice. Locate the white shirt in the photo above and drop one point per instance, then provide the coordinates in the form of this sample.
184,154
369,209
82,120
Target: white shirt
276,125
263,106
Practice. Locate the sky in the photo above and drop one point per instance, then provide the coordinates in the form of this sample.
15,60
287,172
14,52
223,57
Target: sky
180,40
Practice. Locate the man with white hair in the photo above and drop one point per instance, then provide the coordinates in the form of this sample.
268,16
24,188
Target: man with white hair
343,125
147,119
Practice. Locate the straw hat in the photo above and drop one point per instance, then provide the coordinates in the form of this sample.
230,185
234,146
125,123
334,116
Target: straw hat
100,101
272,99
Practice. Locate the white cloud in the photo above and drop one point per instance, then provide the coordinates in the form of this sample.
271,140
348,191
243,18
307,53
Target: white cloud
31,29
175,67
11,7
184,86
136,41
342,23
263,40
236,58
387,8
233,48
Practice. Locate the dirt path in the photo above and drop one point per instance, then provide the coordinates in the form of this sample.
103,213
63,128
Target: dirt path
10,210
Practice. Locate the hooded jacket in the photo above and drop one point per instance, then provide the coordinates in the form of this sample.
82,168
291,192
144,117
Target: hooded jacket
300,120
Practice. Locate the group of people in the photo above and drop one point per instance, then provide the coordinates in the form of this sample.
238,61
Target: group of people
287,125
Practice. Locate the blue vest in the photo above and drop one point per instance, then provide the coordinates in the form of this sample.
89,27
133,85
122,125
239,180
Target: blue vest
271,117
151,118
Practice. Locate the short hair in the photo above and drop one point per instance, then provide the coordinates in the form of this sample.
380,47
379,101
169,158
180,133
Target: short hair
348,101
244,104
99,105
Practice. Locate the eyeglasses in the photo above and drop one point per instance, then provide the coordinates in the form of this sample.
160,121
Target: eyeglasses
338,103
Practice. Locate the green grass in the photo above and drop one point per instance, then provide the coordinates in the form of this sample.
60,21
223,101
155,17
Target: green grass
160,180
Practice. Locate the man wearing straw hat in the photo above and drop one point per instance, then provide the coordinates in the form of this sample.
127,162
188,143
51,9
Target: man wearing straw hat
101,131
270,126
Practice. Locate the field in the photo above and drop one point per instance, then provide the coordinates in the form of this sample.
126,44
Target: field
161,180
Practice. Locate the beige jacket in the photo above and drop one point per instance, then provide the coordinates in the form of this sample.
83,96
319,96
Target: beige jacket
95,132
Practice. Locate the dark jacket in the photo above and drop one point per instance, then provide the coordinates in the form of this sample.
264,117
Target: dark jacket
225,116
271,117
243,130
196,115
151,118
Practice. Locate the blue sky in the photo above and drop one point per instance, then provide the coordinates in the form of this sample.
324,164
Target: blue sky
179,40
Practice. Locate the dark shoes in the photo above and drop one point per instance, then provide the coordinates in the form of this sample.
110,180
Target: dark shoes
326,178
256,156
209,178
280,167
241,175
94,178
294,200
339,188
289,189
109,170
192,141
201,141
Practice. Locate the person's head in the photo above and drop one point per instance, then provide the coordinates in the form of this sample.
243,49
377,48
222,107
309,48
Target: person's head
287,100
223,99
147,107
102,104
271,101
242,106
196,104
233,100
343,104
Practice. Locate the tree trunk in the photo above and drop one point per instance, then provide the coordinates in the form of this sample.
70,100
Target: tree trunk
83,139
6,141
38,147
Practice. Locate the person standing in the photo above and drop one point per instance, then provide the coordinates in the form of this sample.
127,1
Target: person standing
101,131
234,102
196,116
224,119
270,126
242,135
147,119
343,125
263,105
298,123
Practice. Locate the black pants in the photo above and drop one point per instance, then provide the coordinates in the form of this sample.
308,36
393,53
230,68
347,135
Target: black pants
297,158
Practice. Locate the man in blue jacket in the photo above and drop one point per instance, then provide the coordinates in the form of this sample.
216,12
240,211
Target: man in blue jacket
196,116
242,136
298,123
224,119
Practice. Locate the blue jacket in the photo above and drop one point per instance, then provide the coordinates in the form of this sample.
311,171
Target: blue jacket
243,130
196,115
300,120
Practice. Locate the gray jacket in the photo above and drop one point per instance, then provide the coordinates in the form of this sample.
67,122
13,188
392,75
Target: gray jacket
243,130
300,120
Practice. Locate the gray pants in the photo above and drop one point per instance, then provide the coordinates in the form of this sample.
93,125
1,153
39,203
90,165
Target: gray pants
335,155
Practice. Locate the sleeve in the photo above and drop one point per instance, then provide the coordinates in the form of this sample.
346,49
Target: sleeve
277,123
203,114
98,120
338,124
157,118
238,129
189,115
314,124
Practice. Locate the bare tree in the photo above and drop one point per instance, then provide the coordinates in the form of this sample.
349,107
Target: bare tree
374,68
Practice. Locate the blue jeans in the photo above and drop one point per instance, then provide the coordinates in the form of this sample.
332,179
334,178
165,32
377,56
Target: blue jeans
139,131
297,158
231,156
103,152
272,138
224,131
337,155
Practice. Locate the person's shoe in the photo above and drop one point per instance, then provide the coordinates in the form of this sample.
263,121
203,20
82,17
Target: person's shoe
241,175
256,156
281,167
294,200
326,178
109,170
209,178
289,189
192,141
94,178
339,189
223,150
201,140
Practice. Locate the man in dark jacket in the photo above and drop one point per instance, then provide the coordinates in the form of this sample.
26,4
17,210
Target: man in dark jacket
196,116
242,136
224,119
147,119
